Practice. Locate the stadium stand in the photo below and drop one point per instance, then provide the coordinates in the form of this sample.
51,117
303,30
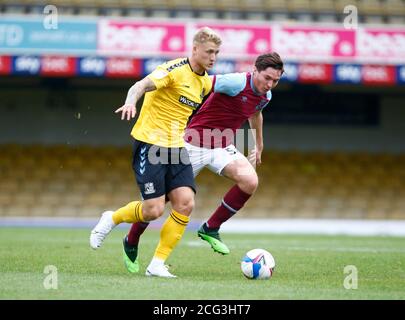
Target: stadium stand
60,180
370,11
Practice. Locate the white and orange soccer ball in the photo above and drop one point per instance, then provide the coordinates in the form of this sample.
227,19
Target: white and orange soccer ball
258,264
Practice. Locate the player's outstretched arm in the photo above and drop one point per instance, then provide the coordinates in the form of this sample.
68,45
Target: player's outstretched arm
128,110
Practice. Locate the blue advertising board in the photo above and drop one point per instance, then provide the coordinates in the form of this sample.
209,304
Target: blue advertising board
290,72
33,35
91,66
347,73
26,65
401,74
149,65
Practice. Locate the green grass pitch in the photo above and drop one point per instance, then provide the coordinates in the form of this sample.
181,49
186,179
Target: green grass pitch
307,267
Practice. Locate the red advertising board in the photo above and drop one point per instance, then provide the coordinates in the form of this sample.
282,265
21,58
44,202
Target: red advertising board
123,68
384,75
5,64
315,73
58,66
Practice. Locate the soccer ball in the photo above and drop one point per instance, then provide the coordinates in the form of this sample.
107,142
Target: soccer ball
258,264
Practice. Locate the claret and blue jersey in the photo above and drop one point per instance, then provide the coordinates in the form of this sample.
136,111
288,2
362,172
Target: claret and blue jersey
233,101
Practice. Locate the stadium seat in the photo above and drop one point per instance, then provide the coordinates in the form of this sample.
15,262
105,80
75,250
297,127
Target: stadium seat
394,11
60,180
370,8
324,10
252,5
390,11
276,5
64,7
11,7
300,10
43,210
180,4
87,7
208,5
157,5
17,210
339,5
110,8
133,8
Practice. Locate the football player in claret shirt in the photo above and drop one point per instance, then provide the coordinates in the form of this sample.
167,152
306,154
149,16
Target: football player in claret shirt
235,98
173,91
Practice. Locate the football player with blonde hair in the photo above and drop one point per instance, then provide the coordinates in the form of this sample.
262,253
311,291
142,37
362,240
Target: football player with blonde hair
160,162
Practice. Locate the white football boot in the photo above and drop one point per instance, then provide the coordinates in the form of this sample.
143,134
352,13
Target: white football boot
158,270
102,229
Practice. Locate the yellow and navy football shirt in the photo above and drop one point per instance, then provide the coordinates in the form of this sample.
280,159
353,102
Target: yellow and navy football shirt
165,111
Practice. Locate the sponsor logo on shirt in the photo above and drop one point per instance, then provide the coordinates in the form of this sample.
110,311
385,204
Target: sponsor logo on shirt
192,104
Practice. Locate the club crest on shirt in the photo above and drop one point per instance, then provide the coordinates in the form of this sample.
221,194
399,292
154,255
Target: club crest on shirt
262,104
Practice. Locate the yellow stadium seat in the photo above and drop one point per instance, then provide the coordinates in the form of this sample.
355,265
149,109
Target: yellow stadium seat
341,4
252,5
18,210
59,180
42,210
373,7
276,5
322,6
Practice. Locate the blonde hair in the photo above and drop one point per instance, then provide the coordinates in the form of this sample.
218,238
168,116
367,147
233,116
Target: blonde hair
206,34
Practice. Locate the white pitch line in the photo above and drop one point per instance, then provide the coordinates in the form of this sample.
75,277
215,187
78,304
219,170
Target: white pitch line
235,225
233,244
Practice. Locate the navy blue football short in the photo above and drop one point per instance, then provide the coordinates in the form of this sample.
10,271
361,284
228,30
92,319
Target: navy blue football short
160,170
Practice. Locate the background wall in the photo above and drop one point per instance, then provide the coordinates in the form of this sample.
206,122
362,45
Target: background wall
58,111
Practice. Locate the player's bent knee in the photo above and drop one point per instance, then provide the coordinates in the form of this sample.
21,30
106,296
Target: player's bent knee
185,206
153,212
249,183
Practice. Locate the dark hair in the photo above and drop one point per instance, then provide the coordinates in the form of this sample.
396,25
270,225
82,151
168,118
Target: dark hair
269,60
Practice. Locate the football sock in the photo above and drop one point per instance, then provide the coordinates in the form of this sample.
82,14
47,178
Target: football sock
135,232
170,234
156,262
233,201
132,212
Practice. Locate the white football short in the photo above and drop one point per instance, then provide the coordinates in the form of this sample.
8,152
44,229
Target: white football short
214,159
